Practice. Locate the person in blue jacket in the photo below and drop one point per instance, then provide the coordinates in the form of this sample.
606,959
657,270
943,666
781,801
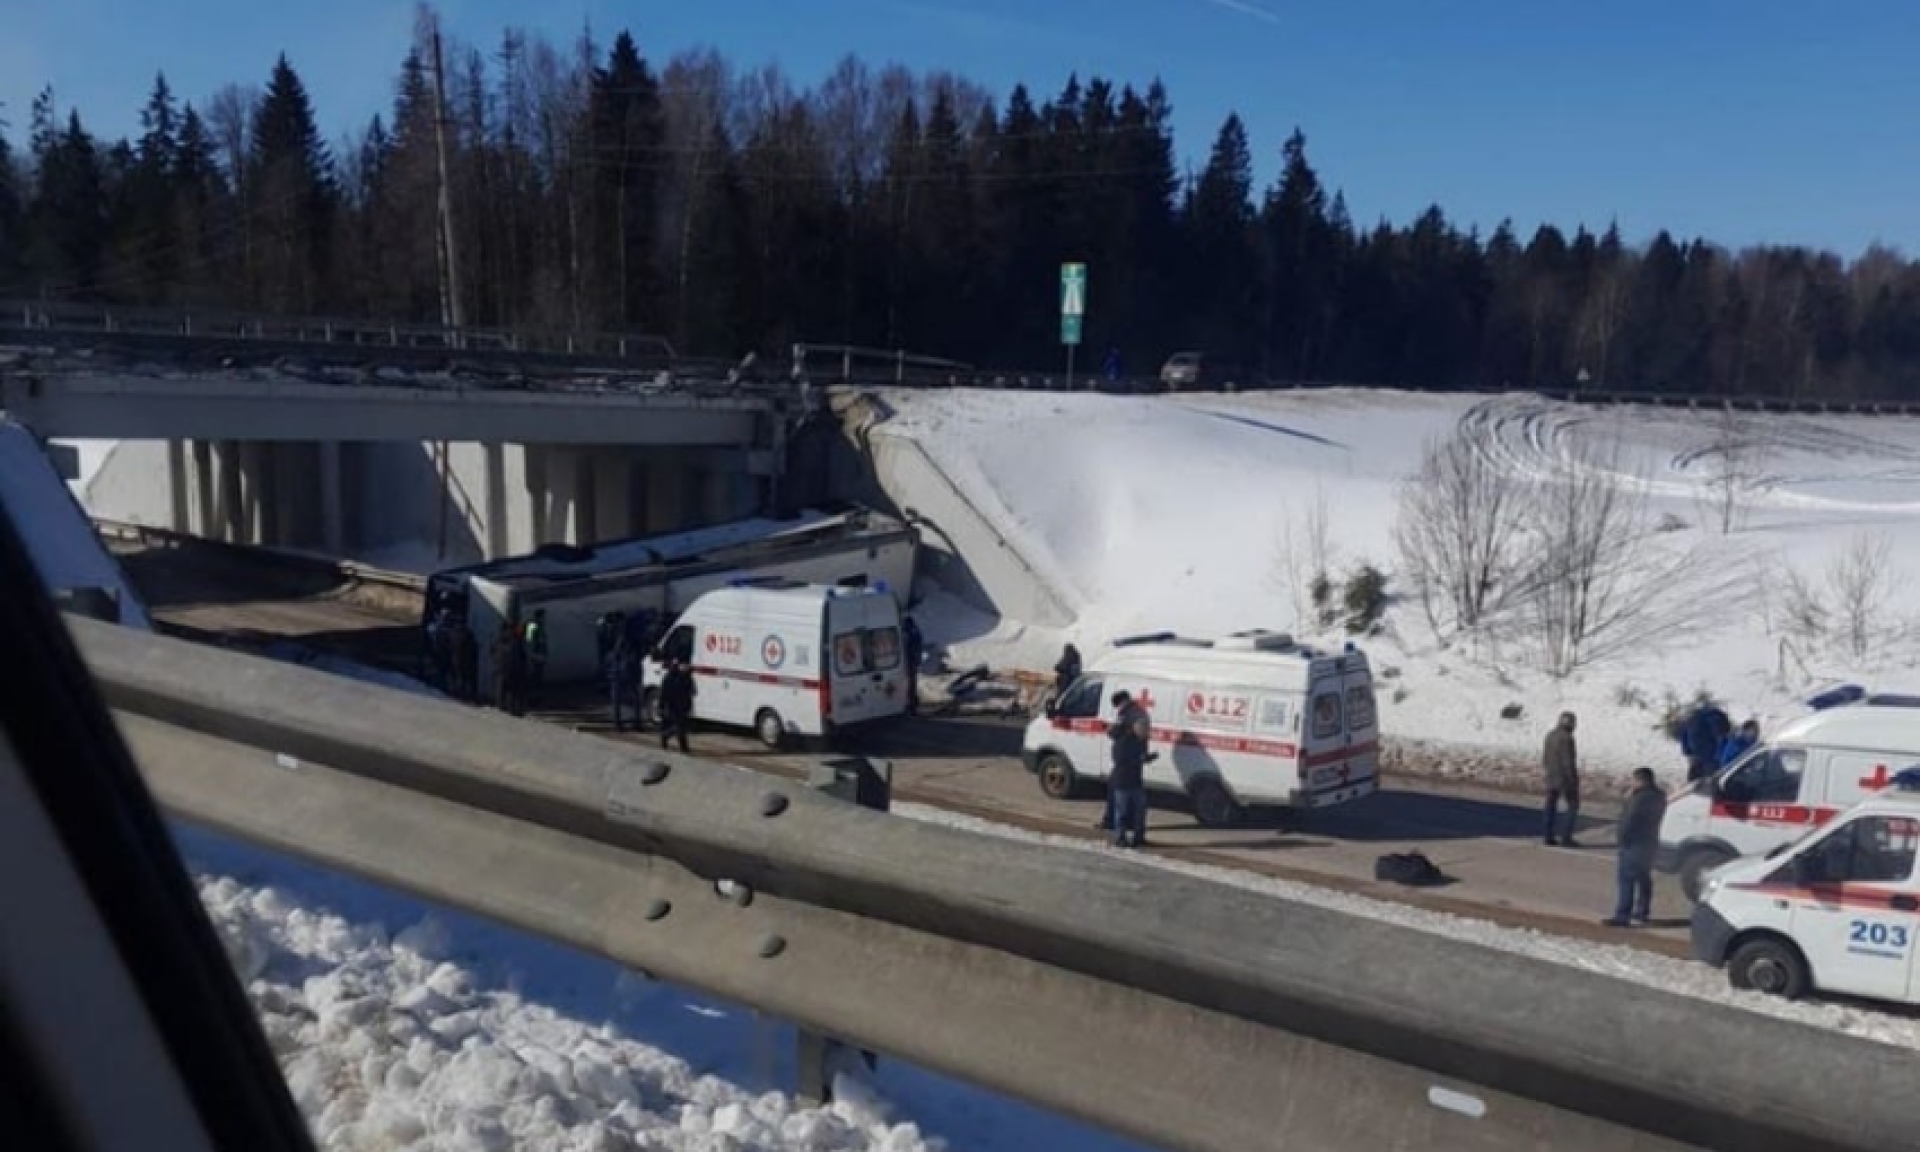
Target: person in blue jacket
1701,735
1738,741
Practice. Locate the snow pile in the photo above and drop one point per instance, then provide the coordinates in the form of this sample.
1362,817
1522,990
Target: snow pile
400,1026
1193,513
1643,969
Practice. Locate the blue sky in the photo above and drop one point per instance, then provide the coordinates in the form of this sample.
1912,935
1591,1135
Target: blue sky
1742,120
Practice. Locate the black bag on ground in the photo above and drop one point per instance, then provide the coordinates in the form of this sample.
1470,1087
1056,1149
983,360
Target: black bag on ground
1410,868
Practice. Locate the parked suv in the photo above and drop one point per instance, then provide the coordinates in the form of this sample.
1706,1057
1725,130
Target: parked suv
1201,372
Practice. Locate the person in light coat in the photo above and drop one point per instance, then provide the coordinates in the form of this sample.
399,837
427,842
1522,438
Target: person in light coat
1560,764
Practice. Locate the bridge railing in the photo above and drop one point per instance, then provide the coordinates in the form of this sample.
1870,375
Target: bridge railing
1186,1013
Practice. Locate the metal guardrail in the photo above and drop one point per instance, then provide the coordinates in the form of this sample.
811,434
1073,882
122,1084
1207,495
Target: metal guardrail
38,315
1190,1014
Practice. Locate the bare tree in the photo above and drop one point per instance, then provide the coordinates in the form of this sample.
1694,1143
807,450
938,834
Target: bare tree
1599,578
1303,557
1733,459
1861,580
1458,530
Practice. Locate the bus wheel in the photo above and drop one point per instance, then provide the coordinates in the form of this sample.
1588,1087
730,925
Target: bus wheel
1694,869
771,730
1213,806
1770,965
1057,777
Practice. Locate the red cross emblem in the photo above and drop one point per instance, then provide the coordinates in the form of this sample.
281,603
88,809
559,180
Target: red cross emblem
1877,781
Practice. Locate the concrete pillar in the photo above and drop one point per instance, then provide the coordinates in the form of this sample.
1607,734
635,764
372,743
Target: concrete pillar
292,522
227,505
204,486
256,483
664,495
333,529
612,487
539,476
719,494
583,518
495,468
178,484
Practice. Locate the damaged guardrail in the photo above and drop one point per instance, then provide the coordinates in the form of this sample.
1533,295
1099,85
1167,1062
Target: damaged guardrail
1181,1012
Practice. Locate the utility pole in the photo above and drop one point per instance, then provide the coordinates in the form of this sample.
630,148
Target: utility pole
451,311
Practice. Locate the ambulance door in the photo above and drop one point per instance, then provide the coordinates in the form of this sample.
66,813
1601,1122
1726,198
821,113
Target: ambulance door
1323,735
1759,803
1363,728
1854,906
1079,726
721,694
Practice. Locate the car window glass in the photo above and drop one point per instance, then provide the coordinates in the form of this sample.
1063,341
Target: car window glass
1326,714
850,653
1772,778
883,649
1082,700
1360,707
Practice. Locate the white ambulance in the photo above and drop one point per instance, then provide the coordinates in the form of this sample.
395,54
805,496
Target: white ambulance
1250,719
787,659
1837,911
1802,776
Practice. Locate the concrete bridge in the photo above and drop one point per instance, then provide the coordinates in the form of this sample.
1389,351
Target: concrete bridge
346,446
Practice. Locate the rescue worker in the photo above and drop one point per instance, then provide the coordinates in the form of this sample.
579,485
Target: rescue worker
440,648
1739,741
676,704
1066,671
607,633
1560,764
1701,735
1128,735
510,671
916,646
1639,838
621,674
466,663
535,651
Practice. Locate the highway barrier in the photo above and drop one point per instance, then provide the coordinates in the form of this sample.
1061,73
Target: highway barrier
1174,1010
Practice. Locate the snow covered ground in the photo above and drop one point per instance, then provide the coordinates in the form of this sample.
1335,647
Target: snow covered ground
1181,512
1644,969
403,1026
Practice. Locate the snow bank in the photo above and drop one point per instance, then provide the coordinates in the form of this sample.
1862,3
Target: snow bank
1644,969
400,1026
1172,512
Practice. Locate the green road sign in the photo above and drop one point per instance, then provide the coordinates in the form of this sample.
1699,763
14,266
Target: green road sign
1073,301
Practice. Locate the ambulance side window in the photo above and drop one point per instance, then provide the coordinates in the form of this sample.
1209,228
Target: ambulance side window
1872,849
1770,778
1082,701
679,644
1326,714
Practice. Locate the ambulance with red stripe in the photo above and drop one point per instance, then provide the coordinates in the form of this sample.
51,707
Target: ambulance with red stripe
786,659
1836,911
1805,774
1251,719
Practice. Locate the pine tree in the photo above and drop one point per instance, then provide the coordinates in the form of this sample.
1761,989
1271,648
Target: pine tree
203,209
66,221
626,141
12,214
1223,273
291,198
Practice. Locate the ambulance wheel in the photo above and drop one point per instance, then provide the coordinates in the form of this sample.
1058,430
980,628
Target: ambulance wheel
650,709
1213,806
1771,965
1694,868
771,730
1057,777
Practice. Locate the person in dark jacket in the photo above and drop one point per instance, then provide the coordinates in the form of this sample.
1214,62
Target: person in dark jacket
1700,737
1066,671
623,680
1639,838
676,704
1129,735
916,651
1737,744
534,650
1560,764
510,671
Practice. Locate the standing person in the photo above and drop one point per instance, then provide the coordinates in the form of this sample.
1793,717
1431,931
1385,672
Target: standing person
1129,735
1110,367
1066,671
535,651
1701,735
1739,742
618,669
440,648
676,704
916,646
1560,763
466,662
1639,838
510,671
607,632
